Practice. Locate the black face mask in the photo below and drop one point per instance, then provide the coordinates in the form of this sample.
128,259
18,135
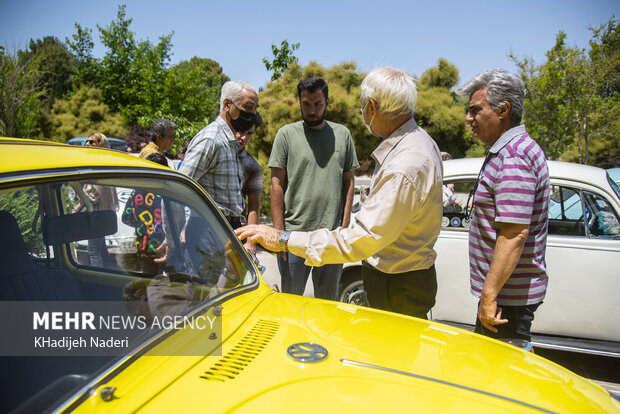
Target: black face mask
244,121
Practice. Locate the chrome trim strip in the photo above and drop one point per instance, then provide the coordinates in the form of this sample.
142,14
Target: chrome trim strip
577,349
450,384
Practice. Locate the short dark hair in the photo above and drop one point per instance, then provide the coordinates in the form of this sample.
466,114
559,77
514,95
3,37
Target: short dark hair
311,85
158,158
160,126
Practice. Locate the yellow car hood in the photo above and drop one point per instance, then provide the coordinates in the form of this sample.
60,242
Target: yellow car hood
374,361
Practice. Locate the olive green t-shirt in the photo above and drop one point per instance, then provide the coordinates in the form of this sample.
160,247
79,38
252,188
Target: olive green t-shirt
315,161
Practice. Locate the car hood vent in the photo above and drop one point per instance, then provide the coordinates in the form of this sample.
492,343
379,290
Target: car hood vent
234,361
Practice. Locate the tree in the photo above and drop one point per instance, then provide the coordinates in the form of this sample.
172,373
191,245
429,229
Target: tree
282,58
440,111
83,114
87,70
572,100
131,74
192,89
56,65
552,96
20,90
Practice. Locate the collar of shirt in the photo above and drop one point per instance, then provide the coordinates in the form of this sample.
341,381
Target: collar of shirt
154,146
227,131
506,138
384,148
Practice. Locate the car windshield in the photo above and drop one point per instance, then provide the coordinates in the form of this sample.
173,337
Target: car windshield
613,176
154,246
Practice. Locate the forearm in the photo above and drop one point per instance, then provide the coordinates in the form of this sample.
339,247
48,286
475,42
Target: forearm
348,190
278,181
254,208
508,249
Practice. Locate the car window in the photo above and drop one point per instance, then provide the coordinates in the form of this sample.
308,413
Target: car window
135,228
455,199
566,212
23,204
601,219
613,183
154,220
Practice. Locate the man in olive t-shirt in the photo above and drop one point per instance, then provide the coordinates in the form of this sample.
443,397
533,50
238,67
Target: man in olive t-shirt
312,185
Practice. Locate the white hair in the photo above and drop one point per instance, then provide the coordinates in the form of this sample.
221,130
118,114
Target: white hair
232,90
393,90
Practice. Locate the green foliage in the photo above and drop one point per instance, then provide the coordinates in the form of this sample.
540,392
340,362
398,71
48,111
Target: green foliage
87,67
23,205
20,90
132,73
440,112
444,75
56,65
572,100
192,89
282,58
85,113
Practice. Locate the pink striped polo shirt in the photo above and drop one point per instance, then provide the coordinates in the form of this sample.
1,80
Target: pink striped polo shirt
514,188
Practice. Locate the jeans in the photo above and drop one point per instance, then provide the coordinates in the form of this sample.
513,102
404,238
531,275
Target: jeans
294,274
518,326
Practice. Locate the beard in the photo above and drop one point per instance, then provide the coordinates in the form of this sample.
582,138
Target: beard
315,121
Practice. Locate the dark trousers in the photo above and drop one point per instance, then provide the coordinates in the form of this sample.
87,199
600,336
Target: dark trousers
518,326
410,293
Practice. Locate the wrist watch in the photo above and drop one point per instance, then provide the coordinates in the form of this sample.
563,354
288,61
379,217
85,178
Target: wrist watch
283,240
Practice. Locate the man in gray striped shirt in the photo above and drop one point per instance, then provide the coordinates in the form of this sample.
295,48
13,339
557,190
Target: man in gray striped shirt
212,157
508,233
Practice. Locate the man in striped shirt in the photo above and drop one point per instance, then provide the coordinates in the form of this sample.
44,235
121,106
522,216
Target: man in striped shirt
508,233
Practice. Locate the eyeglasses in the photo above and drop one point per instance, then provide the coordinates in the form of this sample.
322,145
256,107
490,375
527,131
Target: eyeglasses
92,141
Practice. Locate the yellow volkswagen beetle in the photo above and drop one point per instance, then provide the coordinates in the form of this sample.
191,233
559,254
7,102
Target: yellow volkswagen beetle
123,289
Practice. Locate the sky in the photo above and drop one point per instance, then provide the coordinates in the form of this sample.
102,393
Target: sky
409,35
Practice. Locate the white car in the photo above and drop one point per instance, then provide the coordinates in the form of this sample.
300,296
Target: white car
580,311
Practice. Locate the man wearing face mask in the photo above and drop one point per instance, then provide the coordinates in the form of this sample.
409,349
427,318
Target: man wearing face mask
212,155
312,187
399,221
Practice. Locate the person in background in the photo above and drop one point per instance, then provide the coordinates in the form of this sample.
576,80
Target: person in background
399,222
101,198
212,157
252,179
312,185
450,203
162,137
143,211
508,233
